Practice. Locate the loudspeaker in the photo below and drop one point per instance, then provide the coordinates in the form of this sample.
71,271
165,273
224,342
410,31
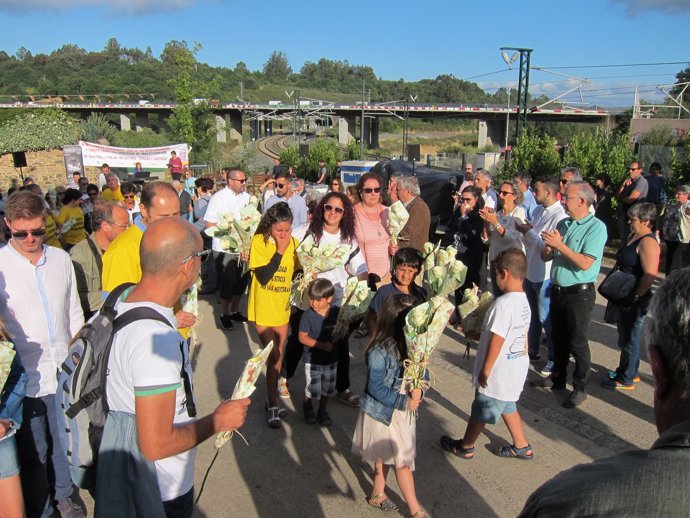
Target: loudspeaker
304,150
413,152
19,158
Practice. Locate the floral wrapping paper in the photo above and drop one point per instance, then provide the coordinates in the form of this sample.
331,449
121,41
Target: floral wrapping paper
442,271
315,260
397,219
356,301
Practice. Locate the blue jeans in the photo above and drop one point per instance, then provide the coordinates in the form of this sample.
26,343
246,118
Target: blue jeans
629,329
37,439
539,298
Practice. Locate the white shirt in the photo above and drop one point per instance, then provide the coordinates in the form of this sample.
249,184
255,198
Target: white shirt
542,219
40,306
490,198
338,276
222,202
146,358
511,238
508,317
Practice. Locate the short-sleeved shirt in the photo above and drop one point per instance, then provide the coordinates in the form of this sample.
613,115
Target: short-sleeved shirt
121,260
222,202
509,318
639,185
269,305
319,328
76,233
392,289
112,196
146,359
52,238
586,236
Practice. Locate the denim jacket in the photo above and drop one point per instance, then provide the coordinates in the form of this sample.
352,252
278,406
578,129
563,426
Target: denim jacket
384,377
12,397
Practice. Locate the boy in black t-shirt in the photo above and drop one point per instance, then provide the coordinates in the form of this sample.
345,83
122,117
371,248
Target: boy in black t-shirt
320,353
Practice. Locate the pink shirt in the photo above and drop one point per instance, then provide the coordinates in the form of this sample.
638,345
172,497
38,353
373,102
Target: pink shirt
373,238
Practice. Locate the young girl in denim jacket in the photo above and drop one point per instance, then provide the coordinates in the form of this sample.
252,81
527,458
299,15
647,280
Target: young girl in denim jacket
385,435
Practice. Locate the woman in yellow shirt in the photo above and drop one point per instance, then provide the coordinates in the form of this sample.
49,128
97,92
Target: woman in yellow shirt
272,261
72,232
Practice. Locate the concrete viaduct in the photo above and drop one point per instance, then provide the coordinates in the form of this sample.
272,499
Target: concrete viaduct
229,116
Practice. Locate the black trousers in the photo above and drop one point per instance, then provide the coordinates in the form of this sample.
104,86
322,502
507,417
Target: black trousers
570,316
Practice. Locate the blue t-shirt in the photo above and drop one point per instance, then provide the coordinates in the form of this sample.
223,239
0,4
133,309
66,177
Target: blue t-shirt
319,328
392,289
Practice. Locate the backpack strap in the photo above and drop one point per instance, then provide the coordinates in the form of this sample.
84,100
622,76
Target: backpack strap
108,307
96,256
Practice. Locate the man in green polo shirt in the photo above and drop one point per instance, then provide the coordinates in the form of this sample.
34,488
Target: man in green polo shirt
576,247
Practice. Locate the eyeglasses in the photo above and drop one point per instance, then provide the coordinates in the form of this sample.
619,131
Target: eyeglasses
281,185
572,197
128,196
241,180
369,190
202,255
633,168
506,193
20,235
332,208
121,225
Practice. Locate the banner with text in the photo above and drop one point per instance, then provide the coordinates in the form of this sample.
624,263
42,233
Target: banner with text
151,158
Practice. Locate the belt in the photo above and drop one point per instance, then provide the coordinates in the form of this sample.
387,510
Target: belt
575,288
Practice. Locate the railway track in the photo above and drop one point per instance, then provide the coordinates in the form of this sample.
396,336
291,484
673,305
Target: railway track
272,146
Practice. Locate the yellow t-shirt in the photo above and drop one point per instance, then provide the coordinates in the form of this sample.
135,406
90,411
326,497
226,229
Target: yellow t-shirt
121,259
112,196
76,233
270,305
52,238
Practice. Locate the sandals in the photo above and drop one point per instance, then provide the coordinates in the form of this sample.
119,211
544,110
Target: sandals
275,413
382,502
421,514
511,452
349,398
452,446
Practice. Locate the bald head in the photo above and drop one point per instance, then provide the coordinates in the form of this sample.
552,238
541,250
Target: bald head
166,243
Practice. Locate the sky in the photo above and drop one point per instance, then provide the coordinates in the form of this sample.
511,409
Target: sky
398,39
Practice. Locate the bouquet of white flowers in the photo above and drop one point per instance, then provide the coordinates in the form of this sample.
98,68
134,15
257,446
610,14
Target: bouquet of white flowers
236,234
356,302
7,354
397,219
316,259
443,272
473,309
190,304
424,326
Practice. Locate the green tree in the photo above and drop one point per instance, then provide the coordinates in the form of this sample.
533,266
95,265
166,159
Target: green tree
324,149
680,165
602,151
38,130
535,154
277,66
96,127
290,157
145,138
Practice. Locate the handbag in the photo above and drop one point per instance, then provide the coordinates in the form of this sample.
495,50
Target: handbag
617,285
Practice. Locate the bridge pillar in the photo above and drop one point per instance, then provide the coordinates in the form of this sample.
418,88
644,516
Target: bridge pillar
221,134
125,123
491,133
346,127
371,132
163,120
236,126
142,120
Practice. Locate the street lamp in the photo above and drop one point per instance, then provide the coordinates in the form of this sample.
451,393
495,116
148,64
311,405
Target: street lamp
523,83
359,72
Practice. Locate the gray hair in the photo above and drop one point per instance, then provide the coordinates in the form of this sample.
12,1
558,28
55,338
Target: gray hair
409,183
684,189
645,212
667,328
518,193
523,177
577,175
102,211
484,174
112,175
584,191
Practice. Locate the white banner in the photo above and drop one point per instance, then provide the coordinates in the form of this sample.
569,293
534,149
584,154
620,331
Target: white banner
151,158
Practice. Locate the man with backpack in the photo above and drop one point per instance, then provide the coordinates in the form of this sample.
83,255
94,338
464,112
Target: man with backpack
40,306
151,432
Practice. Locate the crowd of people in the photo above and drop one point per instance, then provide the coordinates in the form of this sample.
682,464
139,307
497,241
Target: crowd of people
536,244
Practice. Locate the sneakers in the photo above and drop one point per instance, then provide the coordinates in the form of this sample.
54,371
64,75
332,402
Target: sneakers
324,419
547,383
614,375
546,369
72,507
226,322
309,414
283,390
616,384
238,317
576,398
534,357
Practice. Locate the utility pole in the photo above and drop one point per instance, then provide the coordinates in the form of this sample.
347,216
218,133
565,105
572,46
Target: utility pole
523,85
241,91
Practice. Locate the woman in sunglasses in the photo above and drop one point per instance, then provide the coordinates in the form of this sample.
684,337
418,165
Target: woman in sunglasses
130,199
371,227
71,219
336,185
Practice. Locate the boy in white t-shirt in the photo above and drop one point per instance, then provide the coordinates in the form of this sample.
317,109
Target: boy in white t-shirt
501,365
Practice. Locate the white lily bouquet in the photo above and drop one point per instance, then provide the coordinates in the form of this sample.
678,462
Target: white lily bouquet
315,259
473,309
356,300
7,354
236,234
442,271
190,304
397,219
424,326
246,384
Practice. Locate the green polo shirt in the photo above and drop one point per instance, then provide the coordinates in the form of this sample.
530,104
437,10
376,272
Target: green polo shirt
586,236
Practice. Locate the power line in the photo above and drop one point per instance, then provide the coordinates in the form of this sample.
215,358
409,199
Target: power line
623,65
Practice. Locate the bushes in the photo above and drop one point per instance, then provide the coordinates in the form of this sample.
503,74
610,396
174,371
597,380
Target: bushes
39,130
327,150
601,152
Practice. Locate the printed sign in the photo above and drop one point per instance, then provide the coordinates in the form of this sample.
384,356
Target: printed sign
151,158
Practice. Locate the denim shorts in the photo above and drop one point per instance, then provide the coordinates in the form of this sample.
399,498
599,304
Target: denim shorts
488,410
9,462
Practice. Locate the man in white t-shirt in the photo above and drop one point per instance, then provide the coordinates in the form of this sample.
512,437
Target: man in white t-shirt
146,377
501,365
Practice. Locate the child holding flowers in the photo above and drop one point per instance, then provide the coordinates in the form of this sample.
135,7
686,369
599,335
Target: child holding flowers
272,261
384,434
501,364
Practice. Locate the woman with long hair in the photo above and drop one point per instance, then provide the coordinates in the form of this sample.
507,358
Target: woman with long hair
272,262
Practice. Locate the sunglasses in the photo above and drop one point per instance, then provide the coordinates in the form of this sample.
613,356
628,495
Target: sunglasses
369,190
202,255
332,208
505,193
128,196
241,180
281,185
563,181
23,234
